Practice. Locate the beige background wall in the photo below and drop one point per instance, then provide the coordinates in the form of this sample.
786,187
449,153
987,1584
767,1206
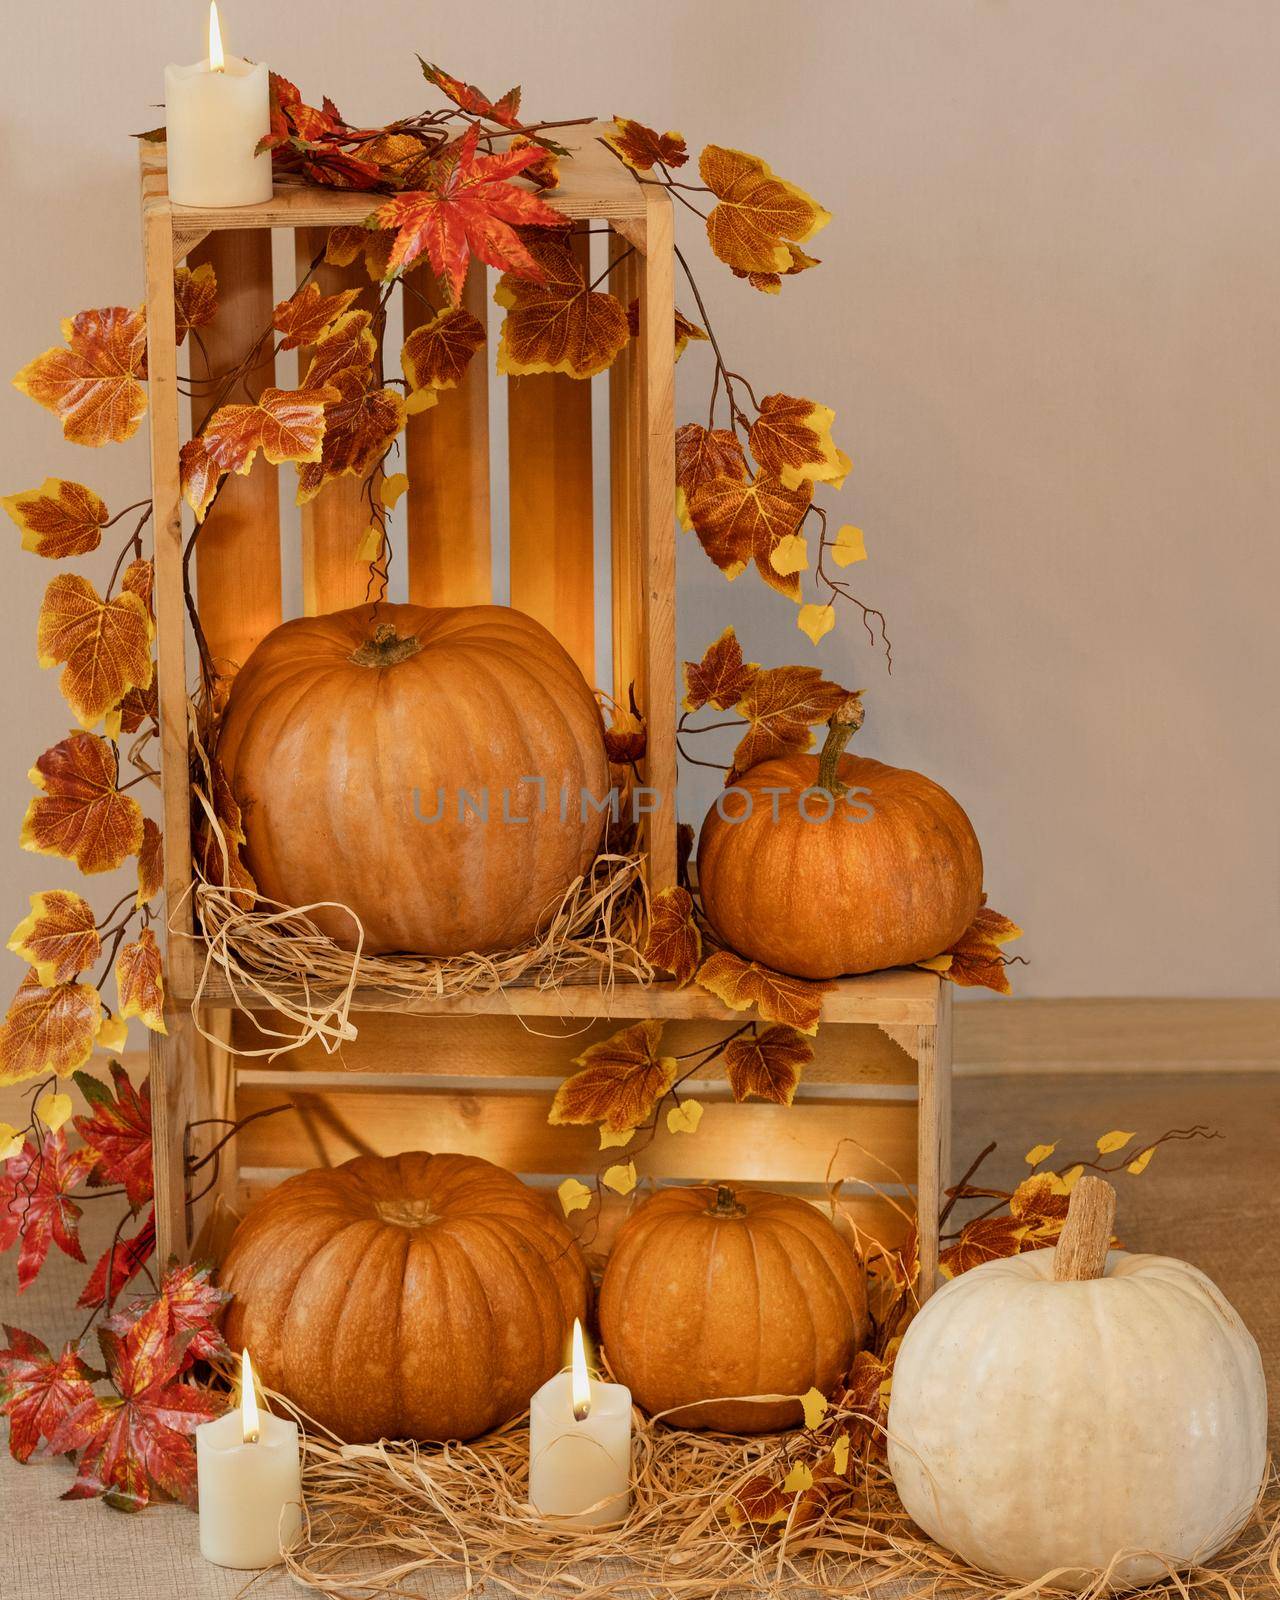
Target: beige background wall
1047,320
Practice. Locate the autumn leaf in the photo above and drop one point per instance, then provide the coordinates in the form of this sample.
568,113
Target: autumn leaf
815,1405
545,171
81,814
974,961
437,354
198,475
470,207
191,1304
36,1205
759,214
983,1239
58,938
139,981
771,282
59,519
119,1264
307,315
738,521
48,1029
866,1394
557,324
117,1133
94,383
150,863
685,329
849,546
706,453
621,1081
759,1502
816,621
1041,1202
780,706
346,243
741,984
721,678
1039,1153
626,738
574,1196
790,554
53,1108
360,427
767,1065
615,1141
621,1179
285,424
685,1117
1140,1162
38,1389
11,1140
113,1034
346,352
104,645
1109,1143
641,148
674,943
467,97
195,298
791,438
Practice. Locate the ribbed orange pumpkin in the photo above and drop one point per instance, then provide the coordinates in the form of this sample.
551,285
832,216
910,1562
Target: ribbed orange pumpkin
712,1291
346,734
807,882
414,1296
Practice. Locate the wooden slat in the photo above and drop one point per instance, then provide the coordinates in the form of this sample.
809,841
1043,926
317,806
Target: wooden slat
447,460
626,412
552,517
333,523
238,551
933,1056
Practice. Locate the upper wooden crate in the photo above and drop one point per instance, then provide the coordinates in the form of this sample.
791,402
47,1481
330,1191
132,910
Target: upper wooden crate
446,539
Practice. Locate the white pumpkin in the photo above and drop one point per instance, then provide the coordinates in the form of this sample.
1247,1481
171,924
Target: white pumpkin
1037,1424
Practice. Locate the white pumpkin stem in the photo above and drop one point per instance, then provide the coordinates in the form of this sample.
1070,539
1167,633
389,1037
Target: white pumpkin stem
1081,1250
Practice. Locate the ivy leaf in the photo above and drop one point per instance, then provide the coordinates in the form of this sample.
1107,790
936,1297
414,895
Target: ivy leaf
195,298
767,1065
150,863
58,937
140,982
469,208
437,354
738,521
117,1134
797,1002
307,315
104,645
36,1205
361,423
983,1239
123,1260
59,519
780,707
674,942
38,1389
641,148
81,814
472,100
721,678
192,1303
759,214
557,323
791,438
94,383
285,424
974,961
48,1029
621,1081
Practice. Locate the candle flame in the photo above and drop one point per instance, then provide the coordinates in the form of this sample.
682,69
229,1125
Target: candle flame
580,1387
249,1424
217,61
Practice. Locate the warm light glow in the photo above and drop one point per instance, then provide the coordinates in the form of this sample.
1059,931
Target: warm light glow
580,1386
248,1401
217,61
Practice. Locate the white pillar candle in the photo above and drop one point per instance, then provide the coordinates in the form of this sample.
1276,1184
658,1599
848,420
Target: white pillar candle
215,113
249,1472
580,1446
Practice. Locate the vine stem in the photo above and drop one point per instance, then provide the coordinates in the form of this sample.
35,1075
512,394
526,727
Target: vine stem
735,411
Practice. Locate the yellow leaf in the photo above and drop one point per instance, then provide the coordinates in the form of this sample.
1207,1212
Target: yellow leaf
370,546
798,1479
11,1141
574,1196
840,1455
685,1117
53,1109
615,1138
850,546
621,1179
392,488
1115,1140
1139,1163
1039,1153
113,1033
816,621
1071,1177
815,1407
419,400
790,554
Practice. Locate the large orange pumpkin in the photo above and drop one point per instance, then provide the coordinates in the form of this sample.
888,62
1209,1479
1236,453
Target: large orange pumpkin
414,1296
713,1292
409,763
801,873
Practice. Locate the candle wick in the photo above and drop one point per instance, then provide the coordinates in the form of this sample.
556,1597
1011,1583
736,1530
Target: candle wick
582,1411
252,1438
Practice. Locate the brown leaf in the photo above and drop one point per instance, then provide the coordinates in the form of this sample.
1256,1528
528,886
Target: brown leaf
48,1030
557,324
791,438
58,519
545,171
199,475
285,424
777,997
685,330
94,383
437,354
771,282
721,678
105,645
139,578
974,961
307,315
195,299
674,942
81,814
360,427
759,214
374,244
739,521
983,1239
140,983
347,350
640,148
58,938
703,454
780,706
150,863
621,1081
767,1065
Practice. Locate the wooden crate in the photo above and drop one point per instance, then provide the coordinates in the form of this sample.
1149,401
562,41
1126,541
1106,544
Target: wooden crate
477,1074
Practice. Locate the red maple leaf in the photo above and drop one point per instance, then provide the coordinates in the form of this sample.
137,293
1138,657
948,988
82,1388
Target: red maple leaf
194,1305
472,100
124,1259
470,207
35,1203
38,1389
137,1442
117,1133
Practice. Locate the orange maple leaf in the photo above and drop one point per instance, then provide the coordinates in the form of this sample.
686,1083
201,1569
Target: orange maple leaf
467,97
781,706
641,148
974,961
360,425
80,813
94,383
58,519
791,438
738,521
545,171
307,315
777,997
150,863
195,299
621,1081
674,942
346,243
285,424
58,938
721,678
759,214
140,983
557,324
437,354
983,1239
767,1065
470,207
48,1029
104,644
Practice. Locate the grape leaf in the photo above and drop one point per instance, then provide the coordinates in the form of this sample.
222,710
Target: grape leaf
767,1065
759,215
791,438
983,1239
621,1081
195,299
674,942
361,423
797,1002
974,961
59,519
35,1203
641,148
780,706
346,243
347,351
150,863
738,521
117,1133
685,329
721,678
771,282
104,646
48,1029
59,936
557,324
38,1389
140,982
81,814
307,315
198,474
94,382
437,354
285,424
706,453
139,578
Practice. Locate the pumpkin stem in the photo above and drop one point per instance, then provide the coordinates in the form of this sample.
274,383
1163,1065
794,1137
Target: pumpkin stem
727,1203
385,648
845,722
1081,1250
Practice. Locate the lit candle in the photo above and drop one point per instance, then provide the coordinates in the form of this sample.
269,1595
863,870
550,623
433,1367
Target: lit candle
249,1470
580,1446
215,113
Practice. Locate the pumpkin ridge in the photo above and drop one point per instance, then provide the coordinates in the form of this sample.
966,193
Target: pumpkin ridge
521,1261
820,1271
